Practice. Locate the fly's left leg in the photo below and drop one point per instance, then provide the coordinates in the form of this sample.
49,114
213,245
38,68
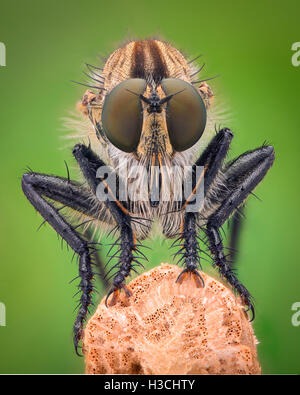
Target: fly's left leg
89,164
126,250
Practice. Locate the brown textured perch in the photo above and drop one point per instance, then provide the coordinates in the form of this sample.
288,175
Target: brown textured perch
167,328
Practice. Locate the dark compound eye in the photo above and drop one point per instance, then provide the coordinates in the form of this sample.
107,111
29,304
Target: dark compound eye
186,113
122,117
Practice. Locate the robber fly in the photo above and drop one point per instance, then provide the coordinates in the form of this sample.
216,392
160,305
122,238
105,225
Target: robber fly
146,107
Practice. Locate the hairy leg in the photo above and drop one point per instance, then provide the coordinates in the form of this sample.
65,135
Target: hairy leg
220,260
241,177
190,250
211,160
38,186
89,164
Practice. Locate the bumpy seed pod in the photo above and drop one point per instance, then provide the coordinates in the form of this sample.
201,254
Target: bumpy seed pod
171,328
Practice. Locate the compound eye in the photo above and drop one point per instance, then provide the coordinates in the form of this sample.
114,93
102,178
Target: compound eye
122,117
186,113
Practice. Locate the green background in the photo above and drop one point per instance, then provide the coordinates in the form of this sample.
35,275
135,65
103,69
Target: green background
48,42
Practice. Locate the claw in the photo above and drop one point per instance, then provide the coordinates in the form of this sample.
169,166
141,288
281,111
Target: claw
198,279
108,295
76,339
195,274
250,307
115,298
127,290
77,352
116,295
181,276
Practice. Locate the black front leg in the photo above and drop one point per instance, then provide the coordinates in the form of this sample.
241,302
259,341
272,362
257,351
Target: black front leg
126,247
89,164
35,186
